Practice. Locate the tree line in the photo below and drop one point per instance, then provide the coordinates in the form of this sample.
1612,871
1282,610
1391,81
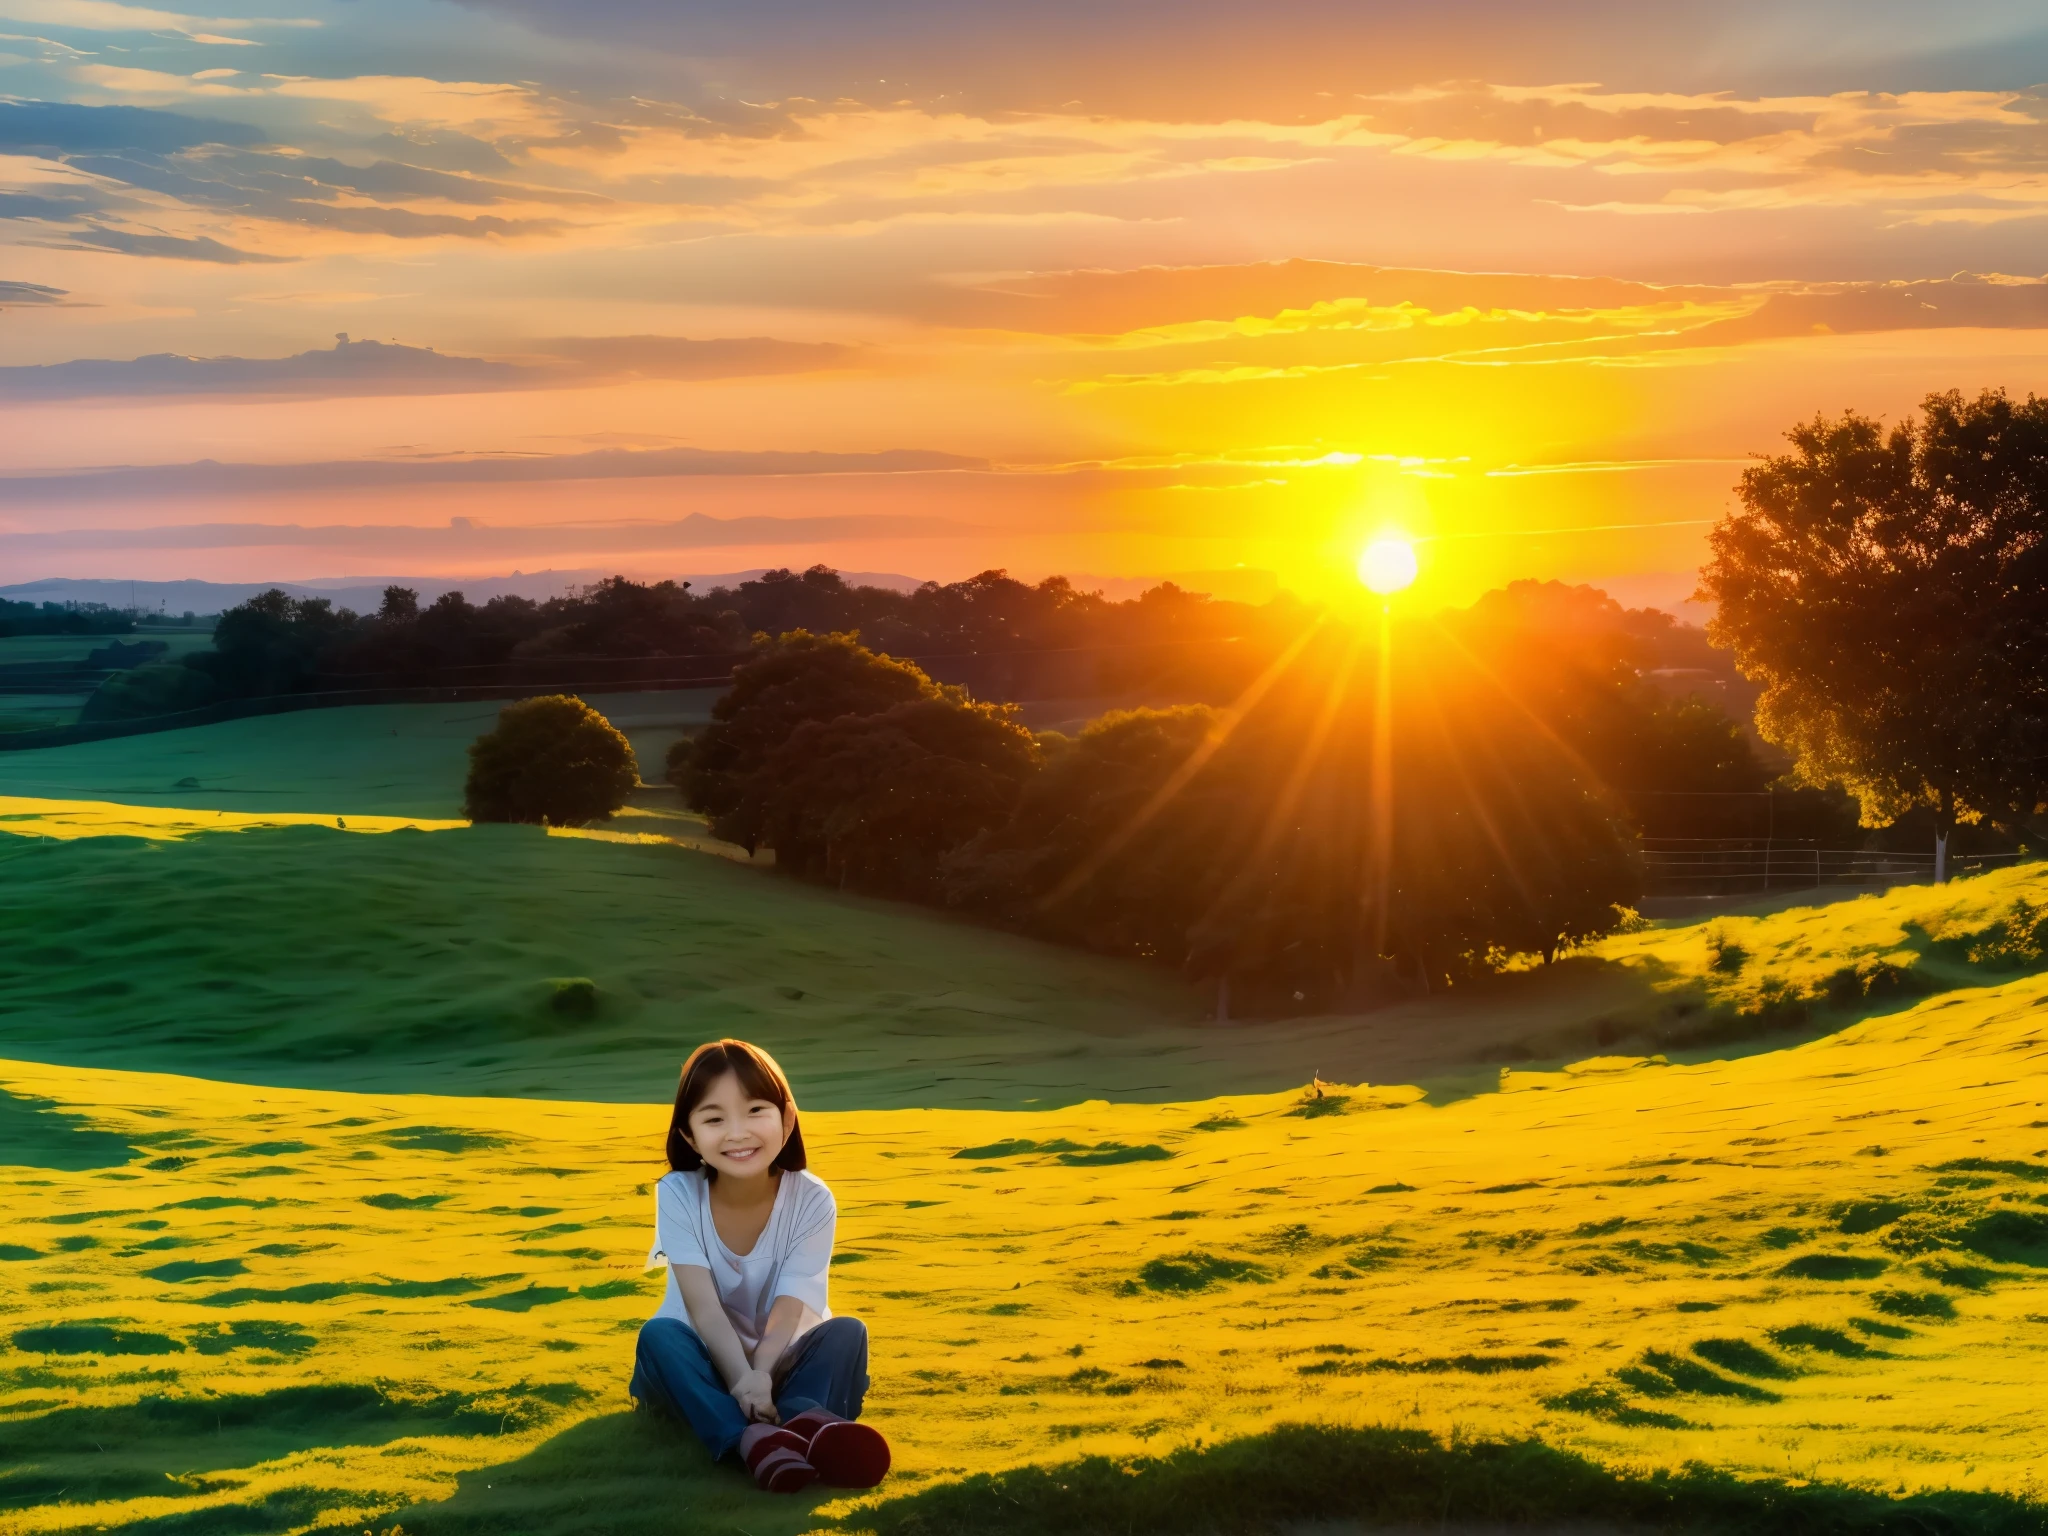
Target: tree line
1405,805
275,643
62,619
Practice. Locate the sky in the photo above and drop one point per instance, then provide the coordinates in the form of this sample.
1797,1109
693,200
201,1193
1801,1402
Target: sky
1122,288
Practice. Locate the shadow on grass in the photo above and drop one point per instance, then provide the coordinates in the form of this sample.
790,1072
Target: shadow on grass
169,1445
1384,1476
618,1474
634,1474
35,1133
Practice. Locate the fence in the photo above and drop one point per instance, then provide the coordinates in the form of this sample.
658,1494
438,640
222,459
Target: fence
1707,869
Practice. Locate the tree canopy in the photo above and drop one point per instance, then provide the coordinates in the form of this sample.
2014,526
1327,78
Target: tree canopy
1889,590
874,802
1373,797
798,679
551,760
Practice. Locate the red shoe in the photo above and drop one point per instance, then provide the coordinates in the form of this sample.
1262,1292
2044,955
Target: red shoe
846,1454
776,1458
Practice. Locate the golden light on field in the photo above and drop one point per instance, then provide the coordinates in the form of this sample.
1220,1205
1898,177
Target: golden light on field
1387,565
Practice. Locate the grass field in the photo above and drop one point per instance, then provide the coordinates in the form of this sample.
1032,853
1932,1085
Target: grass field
397,1281
379,759
47,711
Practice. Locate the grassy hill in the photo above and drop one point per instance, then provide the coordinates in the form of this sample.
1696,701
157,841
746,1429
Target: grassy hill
1825,1262
1791,1222
380,759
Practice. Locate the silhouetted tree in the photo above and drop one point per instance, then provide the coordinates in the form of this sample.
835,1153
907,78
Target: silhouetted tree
272,643
874,802
1284,851
59,619
553,760
790,682
1890,592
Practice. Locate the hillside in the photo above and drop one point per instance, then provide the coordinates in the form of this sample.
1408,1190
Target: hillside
1825,1262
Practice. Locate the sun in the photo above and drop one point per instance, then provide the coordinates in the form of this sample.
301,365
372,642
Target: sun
1387,564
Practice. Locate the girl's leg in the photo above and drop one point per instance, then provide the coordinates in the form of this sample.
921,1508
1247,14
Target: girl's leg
673,1372
829,1370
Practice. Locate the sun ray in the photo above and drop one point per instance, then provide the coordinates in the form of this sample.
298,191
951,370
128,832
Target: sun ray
1226,723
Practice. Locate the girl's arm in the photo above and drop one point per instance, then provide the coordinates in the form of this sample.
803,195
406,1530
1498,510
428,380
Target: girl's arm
749,1385
786,1319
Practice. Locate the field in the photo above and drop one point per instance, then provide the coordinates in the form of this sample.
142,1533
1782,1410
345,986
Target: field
328,1175
45,711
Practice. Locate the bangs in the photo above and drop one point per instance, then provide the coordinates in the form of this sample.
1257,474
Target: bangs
759,1076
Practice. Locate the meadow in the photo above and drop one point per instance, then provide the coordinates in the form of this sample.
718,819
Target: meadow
47,711
329,1132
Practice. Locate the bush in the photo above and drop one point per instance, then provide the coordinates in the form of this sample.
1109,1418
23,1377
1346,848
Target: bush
552,760
161,688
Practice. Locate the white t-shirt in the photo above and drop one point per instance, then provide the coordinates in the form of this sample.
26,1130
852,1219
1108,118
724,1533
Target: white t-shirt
791,1257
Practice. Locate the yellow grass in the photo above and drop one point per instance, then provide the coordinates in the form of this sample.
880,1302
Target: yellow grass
27,816
1006,1290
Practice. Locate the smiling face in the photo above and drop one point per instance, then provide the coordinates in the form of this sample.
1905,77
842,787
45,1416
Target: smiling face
736,1134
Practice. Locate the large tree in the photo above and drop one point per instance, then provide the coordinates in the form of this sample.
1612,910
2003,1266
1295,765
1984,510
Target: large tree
874,802
1889,590
792,681
551,760
1283,847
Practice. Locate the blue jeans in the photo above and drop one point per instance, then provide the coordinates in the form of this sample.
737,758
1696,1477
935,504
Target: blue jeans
826,1368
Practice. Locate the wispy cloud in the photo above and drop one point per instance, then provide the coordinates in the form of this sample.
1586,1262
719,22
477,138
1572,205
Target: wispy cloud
467,539
107,16
389,368
207,477
25,295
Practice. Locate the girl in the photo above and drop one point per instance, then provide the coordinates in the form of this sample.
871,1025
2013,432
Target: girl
745,1346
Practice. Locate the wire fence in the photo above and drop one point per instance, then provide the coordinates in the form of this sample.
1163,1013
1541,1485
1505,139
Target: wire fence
1709,867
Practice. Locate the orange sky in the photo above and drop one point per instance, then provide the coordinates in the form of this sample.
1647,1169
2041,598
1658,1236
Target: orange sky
1141,292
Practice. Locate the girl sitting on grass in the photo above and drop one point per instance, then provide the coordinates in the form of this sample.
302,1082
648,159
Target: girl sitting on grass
745,1346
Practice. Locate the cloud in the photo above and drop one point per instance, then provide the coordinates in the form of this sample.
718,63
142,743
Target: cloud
23,295
206,477
466,538
58,128
1197,58
678,357
351,368
106,16
361,367
1236,325
172,247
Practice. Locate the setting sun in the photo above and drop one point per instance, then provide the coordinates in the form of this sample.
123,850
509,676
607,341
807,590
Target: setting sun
1387,565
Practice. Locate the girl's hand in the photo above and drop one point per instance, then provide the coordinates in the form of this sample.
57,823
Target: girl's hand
755,1393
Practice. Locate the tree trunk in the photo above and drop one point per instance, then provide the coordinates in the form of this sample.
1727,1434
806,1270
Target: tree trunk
1222,999
1944,823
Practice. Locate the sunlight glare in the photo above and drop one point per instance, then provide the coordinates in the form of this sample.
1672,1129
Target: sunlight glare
1387,564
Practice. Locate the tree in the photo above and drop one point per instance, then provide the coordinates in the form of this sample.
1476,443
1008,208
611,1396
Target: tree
790,682
272,643
551,760
1889,590
875,802
1279,853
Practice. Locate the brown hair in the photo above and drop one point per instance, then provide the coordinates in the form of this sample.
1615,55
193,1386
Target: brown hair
759,1077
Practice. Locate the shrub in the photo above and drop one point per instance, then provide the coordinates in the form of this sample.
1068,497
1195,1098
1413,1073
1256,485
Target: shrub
552,760
160,688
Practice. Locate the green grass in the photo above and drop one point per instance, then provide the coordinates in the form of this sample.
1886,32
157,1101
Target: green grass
310,957
1302,1473
379,759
